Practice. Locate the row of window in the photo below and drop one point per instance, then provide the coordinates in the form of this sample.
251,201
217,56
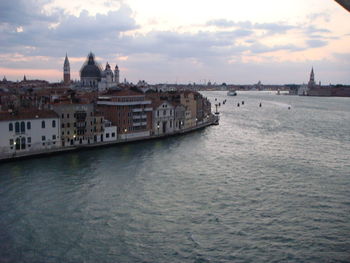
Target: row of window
131,128
170,124
76,115
28,140
164,112
82,131
113,135
20,127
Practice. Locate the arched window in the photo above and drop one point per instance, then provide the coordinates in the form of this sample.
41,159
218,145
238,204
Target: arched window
43,124
23,127
18,143
23,143
17,127
10,127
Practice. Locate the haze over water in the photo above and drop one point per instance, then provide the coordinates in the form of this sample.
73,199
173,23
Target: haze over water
267,185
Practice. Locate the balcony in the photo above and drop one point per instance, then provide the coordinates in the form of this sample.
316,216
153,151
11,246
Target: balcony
135,124
137,117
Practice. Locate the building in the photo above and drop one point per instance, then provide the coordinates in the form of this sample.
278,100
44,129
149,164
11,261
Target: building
79,123
180,116
29,131
129,110
163,117
187,99
90,73
93,77
66,71
109,132
109,80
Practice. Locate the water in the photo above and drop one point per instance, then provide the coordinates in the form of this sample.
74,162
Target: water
267,185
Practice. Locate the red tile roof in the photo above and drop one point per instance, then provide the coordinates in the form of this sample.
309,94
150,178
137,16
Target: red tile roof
28,114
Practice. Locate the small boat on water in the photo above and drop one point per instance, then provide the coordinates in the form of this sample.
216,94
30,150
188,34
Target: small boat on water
231,93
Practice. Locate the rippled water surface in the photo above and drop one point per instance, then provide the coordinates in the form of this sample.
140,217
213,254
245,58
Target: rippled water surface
267,185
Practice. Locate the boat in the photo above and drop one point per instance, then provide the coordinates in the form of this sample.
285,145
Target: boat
231,93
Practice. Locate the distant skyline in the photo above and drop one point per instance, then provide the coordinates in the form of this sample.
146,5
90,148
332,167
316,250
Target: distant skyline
159,41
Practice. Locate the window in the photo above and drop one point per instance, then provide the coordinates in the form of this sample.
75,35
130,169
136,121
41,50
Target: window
23,143
11,142
62,125
107,135
29,140
54,137
23,127
113,134
157,113
171,112
62,116
53,123
43,138
29,125
68,125
164,112
171,123
10,127
43,124
67,115
17,127
18,144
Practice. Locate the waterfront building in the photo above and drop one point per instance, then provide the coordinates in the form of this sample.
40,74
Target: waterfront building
66,71
31,130
187,99
79,123
312,82
129,110
303,90
163,117
109,132
180,116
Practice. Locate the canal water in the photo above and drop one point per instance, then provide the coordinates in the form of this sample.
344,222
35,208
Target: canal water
269,184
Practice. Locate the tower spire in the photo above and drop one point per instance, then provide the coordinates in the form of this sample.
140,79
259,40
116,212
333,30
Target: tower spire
66,70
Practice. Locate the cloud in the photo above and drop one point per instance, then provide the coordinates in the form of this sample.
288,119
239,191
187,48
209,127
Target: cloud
271,28
24,12
75,34
315,43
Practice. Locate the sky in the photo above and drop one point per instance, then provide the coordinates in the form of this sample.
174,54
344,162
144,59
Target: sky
183,41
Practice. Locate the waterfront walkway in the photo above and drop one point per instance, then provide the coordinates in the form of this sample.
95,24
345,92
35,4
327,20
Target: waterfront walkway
28,154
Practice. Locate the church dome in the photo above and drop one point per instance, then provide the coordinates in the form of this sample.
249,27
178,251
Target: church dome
90,69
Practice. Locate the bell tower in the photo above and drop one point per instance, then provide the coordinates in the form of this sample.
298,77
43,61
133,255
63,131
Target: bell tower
66,71
116,74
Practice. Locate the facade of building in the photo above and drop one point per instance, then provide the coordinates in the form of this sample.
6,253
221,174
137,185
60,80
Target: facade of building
90,73
93,77
109,80
129,110
109,132
180,117
188,100
29,131
79,123
163,118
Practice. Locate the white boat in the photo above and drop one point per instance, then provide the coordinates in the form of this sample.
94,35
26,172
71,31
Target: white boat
231,93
